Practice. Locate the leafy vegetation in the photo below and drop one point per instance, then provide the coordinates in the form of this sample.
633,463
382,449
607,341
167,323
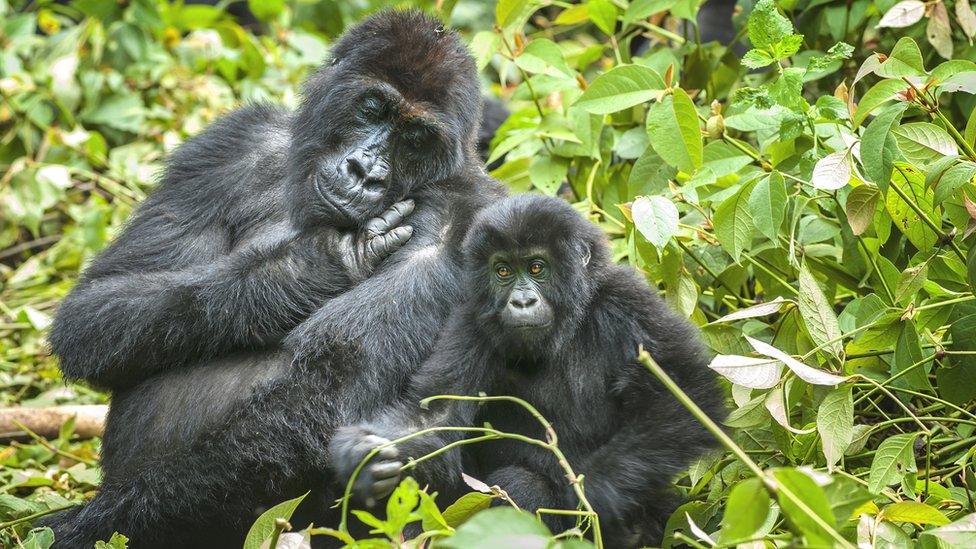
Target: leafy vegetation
806,196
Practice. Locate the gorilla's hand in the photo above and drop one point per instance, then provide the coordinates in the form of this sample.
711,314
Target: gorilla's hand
379,477
362,251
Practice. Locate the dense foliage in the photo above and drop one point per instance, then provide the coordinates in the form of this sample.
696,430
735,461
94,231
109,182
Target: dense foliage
805,195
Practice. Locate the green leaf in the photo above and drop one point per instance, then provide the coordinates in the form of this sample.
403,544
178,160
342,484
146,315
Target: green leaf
812,498
656,218
745,511
862,202
818,315
914,512
674,131
512,14
953,179
908,353
483,46
639,9
548,173
543,56
905,60
894,457
922,142
877,95
957,384
910,282
767,26
400,506
117,541
835,423
620,88
498,527
879,149
465,507
266,10
264,526
733,222
767,202
960,534
912,184
604,15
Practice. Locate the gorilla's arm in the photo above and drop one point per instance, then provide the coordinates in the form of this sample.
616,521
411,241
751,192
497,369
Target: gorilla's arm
657,437
453,368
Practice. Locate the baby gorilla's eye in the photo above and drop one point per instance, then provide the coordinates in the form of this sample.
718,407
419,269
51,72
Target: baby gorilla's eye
536,267
503,271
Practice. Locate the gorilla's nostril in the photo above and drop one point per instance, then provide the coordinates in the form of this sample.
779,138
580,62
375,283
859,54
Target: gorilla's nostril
355,167
524,301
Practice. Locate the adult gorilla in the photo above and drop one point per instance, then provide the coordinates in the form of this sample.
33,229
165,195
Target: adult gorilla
245,240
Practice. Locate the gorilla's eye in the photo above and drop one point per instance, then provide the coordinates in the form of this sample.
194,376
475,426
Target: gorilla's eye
537,267
370,107
503,270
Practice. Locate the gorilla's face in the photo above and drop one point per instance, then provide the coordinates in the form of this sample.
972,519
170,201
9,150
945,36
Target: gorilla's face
384,147
521,289
381,120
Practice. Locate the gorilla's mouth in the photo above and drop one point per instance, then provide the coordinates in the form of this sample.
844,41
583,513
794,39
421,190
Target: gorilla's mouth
324,197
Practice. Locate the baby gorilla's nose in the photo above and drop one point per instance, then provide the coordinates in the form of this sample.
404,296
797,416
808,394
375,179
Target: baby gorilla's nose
359,164
523,299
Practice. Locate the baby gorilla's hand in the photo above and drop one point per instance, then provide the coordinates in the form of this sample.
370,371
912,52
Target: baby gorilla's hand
379,477
365,249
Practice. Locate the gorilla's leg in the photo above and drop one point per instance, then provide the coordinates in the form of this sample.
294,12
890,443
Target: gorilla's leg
270,447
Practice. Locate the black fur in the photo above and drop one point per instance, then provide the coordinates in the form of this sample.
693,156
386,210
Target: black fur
616,424
225,317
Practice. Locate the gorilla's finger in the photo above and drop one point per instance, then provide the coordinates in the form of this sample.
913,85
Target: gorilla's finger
389,453
389,219
384,487
382,246
385,469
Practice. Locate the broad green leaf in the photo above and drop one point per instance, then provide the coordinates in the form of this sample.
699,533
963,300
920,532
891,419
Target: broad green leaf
400,506
498,527
466,507
733,222
639,9
810,498
910,283
879,149
912,184
650,174
877,95
767,26
914,512
543,56
266,10
548,173
264,526
754,373
745,511
620,88
957,535
905,61
511,14
573,15
656,218
483,46
894,458
922,142
674,131
862,202
604,15
767,202
835,423
818,315
908,353
953,179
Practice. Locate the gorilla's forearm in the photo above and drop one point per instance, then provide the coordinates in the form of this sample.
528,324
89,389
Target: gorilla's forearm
117,330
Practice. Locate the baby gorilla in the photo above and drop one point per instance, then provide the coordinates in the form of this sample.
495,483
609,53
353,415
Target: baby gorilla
550,319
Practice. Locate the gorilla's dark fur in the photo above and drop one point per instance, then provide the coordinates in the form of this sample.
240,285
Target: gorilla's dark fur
248,307
548,318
